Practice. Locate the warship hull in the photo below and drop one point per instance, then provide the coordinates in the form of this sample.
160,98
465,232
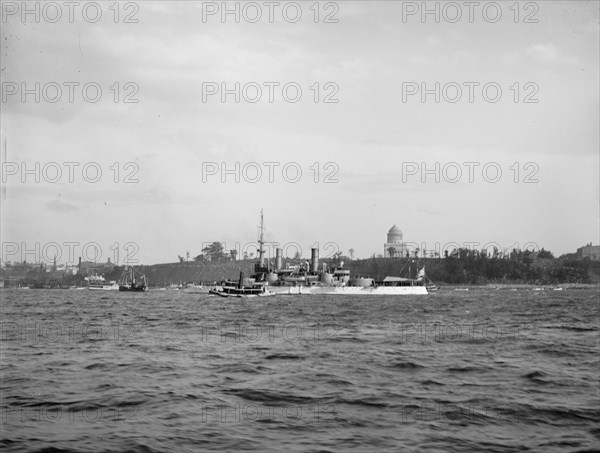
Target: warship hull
350,290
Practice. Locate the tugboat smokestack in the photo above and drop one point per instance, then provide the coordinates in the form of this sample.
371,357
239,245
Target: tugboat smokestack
278,259
241,282
314,260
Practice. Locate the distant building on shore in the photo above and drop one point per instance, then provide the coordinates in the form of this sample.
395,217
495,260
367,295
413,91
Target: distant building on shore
395,246
90,267
589,251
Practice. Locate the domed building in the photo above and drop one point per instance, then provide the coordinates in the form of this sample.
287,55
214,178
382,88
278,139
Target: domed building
395,247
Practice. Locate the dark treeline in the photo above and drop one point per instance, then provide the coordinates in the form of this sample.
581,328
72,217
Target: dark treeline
466,266
462,266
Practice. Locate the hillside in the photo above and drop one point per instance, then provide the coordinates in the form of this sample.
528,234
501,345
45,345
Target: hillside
467,269
464,268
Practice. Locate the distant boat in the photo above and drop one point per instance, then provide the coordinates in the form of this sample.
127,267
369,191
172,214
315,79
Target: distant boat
129,282
429,285
96,282
558,288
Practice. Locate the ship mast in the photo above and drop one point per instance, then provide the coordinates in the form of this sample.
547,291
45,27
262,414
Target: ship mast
261,251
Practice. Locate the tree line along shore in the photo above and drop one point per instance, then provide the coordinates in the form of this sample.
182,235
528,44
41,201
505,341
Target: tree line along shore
466,267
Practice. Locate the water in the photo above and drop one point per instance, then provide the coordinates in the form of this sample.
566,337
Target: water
479,370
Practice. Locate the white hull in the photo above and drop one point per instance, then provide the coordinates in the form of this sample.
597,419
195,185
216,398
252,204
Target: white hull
350,290
104,288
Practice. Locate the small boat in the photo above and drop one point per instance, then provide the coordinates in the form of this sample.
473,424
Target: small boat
231,289
429,285
96,282
129,282
558,288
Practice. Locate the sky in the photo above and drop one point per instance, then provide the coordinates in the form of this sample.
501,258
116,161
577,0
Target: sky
461,127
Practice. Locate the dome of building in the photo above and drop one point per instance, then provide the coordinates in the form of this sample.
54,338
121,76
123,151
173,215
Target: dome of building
394,234
395,230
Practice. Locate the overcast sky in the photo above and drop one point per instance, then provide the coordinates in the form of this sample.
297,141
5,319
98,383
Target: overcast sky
374,138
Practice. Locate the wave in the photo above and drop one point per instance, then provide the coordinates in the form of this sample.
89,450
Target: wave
406,366
367,402
465,369
530,413
431,382
282,356
273,398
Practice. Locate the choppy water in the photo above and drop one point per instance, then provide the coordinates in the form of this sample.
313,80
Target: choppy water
166,371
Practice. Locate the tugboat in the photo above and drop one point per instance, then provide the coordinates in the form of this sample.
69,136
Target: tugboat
231,289
251,287
128,282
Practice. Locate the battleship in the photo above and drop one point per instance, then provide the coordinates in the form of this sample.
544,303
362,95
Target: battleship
311,280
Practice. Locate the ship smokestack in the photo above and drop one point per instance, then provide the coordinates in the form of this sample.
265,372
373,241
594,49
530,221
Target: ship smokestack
278,259
314,260
241,282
